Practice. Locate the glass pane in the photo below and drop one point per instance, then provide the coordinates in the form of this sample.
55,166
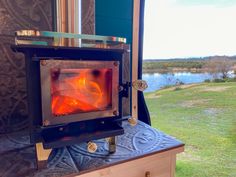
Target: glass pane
80,90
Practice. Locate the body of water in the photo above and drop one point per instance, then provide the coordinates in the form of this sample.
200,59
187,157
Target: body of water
157,80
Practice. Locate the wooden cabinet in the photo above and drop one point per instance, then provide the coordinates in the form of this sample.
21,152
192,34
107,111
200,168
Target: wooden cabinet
161,164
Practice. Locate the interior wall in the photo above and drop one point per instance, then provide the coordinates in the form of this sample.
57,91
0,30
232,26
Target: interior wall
16,15
88,16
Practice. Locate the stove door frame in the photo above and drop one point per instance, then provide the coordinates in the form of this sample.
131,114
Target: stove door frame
45,77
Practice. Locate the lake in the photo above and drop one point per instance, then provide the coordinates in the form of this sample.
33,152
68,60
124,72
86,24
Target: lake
157,80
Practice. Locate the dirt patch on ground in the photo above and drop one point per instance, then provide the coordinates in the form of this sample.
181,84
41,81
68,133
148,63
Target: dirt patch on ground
154,95
216,88
193,103
212,111
189,86
185,86
189,155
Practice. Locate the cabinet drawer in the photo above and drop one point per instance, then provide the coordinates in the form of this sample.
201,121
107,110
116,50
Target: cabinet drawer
157,165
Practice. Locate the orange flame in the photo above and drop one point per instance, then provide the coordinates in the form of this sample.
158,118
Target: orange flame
80,90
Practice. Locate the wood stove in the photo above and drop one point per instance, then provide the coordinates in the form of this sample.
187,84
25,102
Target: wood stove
78,88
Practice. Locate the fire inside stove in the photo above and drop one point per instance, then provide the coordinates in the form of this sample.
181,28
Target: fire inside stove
80,90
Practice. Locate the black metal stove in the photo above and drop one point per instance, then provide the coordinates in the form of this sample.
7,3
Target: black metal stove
78,87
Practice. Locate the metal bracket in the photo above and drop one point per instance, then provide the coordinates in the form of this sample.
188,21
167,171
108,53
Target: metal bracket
124,89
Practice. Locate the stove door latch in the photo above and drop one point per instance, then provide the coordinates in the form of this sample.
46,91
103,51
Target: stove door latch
124,89
139,85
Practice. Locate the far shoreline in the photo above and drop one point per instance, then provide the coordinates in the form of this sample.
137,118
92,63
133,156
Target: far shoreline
174,70
192,65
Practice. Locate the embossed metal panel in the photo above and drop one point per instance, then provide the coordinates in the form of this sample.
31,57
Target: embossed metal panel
18,156
18,15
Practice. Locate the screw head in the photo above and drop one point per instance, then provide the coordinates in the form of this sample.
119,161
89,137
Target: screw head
43,62
116,63
115,113
46,122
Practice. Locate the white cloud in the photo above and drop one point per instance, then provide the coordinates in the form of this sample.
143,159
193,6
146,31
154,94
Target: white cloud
184,31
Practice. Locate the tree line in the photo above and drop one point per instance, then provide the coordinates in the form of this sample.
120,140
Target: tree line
213,65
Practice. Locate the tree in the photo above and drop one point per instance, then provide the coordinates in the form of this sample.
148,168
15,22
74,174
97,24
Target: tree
219,64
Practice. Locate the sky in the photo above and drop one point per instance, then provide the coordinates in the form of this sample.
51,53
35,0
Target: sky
189,28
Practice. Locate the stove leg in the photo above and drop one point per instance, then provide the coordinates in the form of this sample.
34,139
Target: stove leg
112,144
41,156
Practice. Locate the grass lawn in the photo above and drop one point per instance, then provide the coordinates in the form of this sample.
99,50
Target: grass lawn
203,116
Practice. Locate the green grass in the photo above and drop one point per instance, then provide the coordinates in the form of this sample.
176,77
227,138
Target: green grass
203,116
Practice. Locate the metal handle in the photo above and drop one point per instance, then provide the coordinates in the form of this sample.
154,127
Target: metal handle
92,147
140,85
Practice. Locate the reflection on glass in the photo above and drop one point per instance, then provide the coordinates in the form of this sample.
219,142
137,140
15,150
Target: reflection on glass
80,90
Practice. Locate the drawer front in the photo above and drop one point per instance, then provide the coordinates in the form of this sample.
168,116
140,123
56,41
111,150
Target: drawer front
158,165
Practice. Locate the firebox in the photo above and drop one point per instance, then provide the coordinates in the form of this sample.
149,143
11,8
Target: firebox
78,87
74,91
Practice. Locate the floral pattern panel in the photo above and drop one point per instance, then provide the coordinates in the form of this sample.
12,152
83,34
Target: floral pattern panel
13,105
88,16
16,15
